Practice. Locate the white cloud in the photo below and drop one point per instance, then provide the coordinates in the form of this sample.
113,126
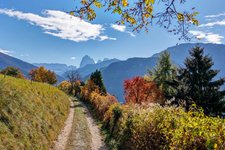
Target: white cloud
117,27
105,37
211,24
208,37
7,52
215,16
62,25
73,58
121,28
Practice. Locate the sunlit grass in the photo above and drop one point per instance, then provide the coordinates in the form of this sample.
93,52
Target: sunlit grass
31,114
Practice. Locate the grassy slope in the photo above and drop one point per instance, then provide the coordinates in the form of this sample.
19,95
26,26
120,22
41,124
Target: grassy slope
31,115
80,137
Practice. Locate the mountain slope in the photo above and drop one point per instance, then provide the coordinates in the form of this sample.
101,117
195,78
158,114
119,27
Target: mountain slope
116,73
6,61
59,69
31,115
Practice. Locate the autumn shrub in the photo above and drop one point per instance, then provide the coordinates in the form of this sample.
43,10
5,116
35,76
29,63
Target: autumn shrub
101,103
168,128
12,71
65,86
87,89
134,126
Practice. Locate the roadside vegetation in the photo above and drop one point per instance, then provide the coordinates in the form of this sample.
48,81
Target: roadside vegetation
31,114
169,108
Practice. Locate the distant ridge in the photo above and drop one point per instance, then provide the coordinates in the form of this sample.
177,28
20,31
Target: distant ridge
6,60
117,72
58,68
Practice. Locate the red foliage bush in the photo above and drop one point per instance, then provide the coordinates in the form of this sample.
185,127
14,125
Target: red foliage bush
138,91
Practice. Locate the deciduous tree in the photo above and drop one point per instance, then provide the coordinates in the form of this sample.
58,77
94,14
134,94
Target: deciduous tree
74,78
12,71
140,14
43,75
137,91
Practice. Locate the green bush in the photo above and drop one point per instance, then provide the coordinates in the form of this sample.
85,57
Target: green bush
31,114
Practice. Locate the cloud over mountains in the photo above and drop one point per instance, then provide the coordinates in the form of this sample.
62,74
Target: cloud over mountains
62,25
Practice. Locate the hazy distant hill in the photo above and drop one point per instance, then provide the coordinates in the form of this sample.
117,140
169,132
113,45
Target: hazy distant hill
58,68
116,73
6,60
88,69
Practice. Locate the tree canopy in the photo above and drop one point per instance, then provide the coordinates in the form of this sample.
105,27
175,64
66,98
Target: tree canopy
43,75
12,71
96,77
163,73
196,82
138,90
140,14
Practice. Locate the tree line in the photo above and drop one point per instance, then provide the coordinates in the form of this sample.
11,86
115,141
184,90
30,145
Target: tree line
40,74
193,84
167,84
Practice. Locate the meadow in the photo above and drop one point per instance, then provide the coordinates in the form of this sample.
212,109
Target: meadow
31,114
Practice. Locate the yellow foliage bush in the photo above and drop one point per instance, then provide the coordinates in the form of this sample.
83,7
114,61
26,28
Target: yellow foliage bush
64,86
139,127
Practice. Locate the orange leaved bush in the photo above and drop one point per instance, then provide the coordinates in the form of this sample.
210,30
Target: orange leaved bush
138,91
101,103
65,86
43,75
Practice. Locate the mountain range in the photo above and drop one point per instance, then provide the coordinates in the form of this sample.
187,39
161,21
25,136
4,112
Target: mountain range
115,71
88,69
115,74
6,60
58,68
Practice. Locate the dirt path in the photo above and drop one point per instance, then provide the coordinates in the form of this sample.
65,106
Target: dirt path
80,132
97,140
62,139
80,136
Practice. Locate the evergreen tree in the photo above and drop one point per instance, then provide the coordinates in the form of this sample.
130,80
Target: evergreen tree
196,82
96,77
163,73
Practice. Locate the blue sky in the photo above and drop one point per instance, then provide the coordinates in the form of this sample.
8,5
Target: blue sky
30,31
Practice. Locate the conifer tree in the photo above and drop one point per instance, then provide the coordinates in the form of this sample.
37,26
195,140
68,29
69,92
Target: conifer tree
96,77
197,82
163,73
